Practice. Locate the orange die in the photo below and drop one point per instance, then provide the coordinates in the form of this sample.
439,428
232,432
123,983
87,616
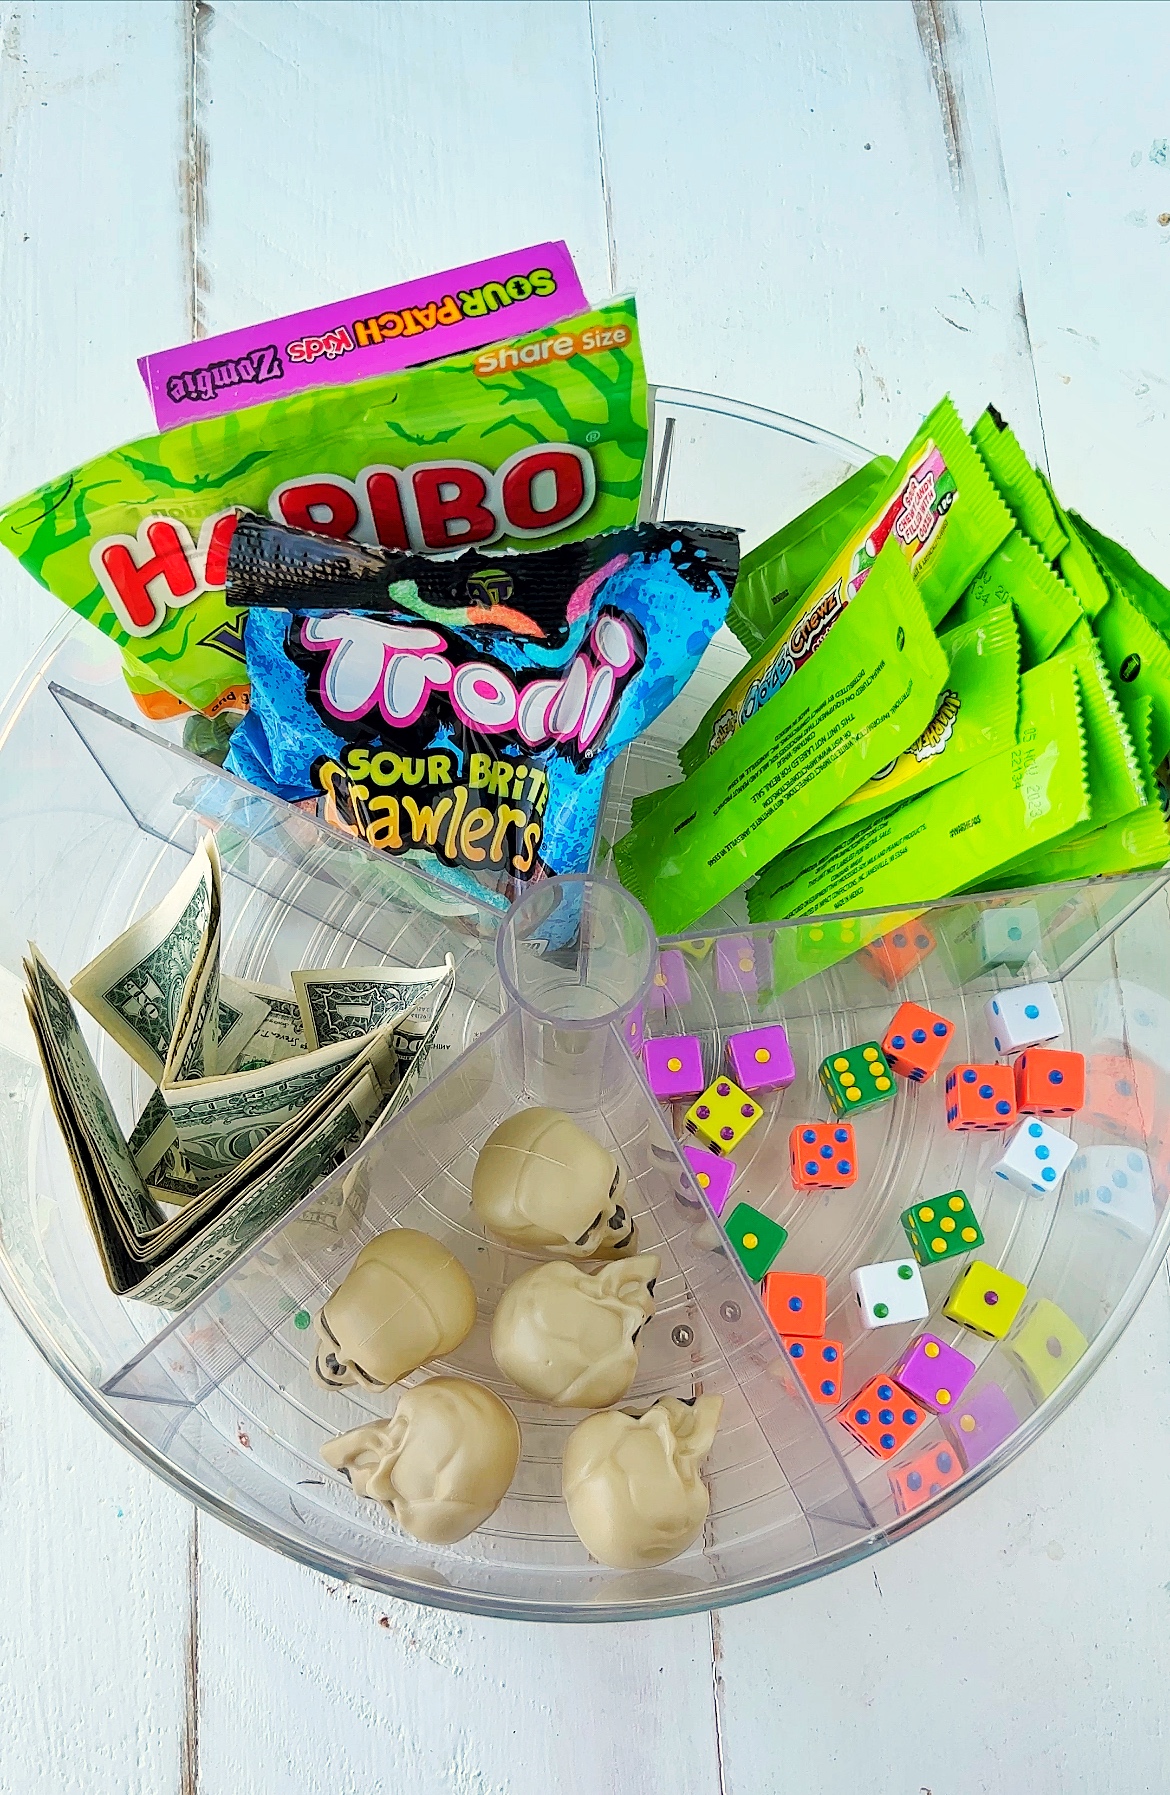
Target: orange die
796,1302
883,1417
916,1041
1121,1095
924,1477
818,1366
894,955
1049,1083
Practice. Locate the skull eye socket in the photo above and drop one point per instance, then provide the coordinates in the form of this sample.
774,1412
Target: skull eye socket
596,1222
617,1172
617,1220
650,1283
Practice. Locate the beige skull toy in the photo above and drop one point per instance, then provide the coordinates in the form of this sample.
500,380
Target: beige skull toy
632,1482
404,1300
570,1336
440,1465
541,1181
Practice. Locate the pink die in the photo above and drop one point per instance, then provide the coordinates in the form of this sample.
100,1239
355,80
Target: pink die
674,1066
714,1176
934,1372
735,965
761,1059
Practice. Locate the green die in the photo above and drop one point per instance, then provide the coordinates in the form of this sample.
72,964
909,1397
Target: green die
942,1228
756,1239
857,1078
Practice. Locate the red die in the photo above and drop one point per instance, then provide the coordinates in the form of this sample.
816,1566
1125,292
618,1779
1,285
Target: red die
817,1363
796,1302
1122,1096
823,1155
924,1477
980,1097
1048,1083
916,1040
883,1417
894,955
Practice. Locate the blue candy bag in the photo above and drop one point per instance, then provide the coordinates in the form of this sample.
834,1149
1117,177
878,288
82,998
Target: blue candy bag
462,712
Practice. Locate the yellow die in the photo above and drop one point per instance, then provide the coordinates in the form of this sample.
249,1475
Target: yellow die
985,1300
722,1116
1046,1348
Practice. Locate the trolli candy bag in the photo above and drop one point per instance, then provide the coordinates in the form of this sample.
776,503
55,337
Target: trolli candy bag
533,441
463,712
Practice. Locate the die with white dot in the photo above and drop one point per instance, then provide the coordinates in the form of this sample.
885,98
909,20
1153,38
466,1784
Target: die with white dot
1036,1158
1023,1017
889,1293
1115,1184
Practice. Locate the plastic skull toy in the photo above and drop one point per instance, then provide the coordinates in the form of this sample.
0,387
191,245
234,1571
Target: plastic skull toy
570,1336
632,1482
404,1300
440,1465
540,1181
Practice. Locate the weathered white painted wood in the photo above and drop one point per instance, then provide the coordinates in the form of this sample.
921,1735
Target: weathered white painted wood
1085,120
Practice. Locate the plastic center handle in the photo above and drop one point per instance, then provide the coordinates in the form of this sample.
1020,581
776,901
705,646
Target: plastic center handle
578,952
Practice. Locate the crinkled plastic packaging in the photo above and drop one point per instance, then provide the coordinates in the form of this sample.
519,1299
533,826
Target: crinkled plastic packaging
536,441
1017,574
463,713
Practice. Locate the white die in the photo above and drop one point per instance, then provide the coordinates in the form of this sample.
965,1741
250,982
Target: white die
895,1287
1037,1157
1023,1017
1115,1183
1134,1019
1008,937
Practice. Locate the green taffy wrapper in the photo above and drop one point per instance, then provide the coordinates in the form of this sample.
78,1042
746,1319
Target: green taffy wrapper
1019,485
1076,563
975,718
946,839
1018,575
938,507
1138,661
776,574
827,729
1128,844
1139,585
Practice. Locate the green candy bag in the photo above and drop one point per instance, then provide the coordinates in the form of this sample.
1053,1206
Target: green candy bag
1129,844
777,573
1138,661
938,507
824,733
1026,495
943,841
1139,585
1018,575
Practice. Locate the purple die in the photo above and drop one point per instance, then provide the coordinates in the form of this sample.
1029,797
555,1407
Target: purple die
633,1032
674,1066
934,1372
712,1175
981,1424
761,1059
671,983
735,964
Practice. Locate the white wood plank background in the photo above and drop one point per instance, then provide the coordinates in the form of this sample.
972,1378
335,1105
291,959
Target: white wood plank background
836,210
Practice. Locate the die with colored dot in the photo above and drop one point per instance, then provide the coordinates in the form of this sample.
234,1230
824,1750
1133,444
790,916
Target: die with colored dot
889,1294
942,1228
824,943
756,1238
671,984
857,1078
674,1066
898,953
981,1423
980,1097
985,1299
796,1302
760,1059
1023,1017
818,1365
1116,1185
916,1041
714,1176
937,1374
1036,1158
1049,1083
1007,936
735,965
722,1116
1121,1096
1046,1346
883,1416
822,1155
924,1477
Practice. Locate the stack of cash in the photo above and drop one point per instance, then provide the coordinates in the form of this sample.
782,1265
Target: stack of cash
260,1093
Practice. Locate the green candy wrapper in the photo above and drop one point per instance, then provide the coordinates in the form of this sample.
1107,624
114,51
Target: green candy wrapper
1138,661
940,510
1128,844
944,840
824,733
1139,585
1024,492
1017,574
776,575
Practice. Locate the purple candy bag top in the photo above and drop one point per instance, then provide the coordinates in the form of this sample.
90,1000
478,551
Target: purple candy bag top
375,333
982,1423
